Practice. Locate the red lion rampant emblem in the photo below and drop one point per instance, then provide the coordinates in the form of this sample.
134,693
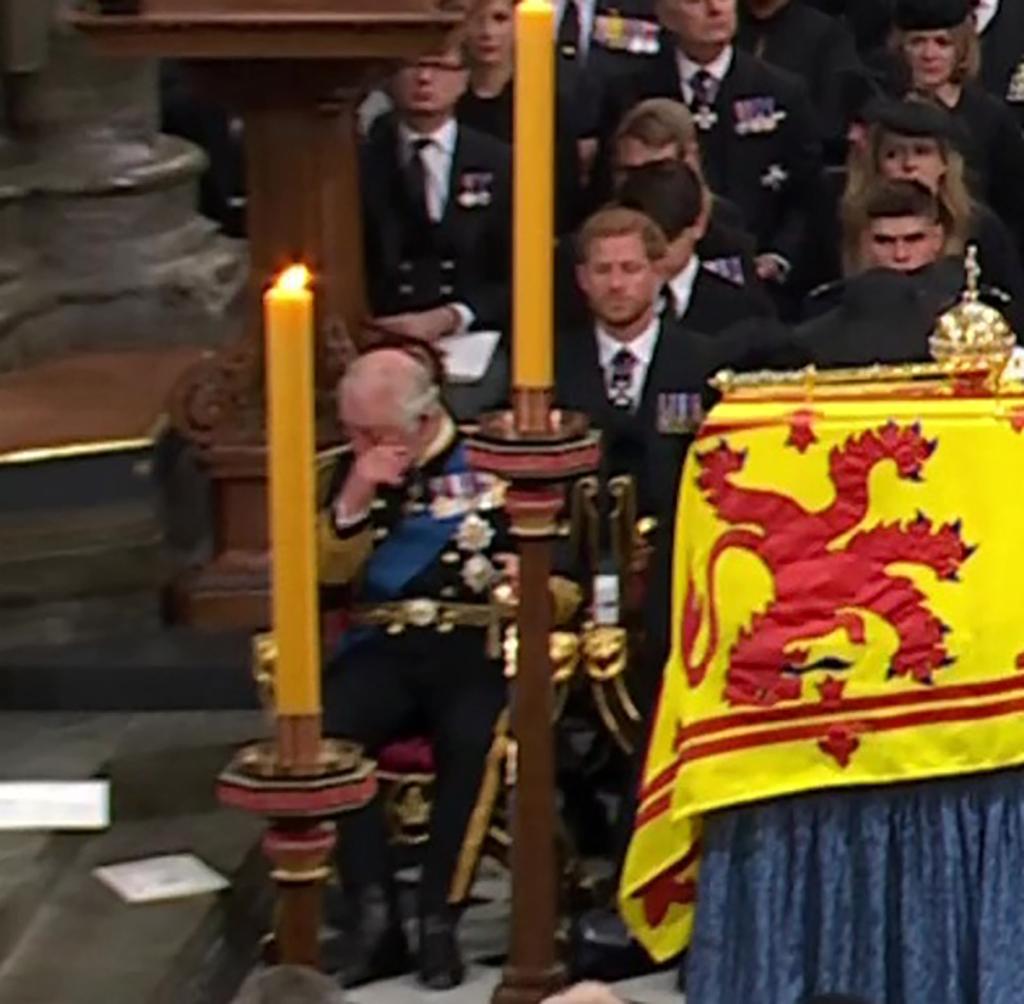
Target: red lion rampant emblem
820,587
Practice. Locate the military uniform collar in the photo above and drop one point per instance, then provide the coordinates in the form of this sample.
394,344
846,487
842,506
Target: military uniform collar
441,445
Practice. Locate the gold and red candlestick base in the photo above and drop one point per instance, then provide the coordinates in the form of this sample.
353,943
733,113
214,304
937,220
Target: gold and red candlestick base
300,784
538,451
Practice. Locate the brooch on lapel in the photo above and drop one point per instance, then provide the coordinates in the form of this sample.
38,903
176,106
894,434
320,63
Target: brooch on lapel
679,413
774,177
475,189
756,116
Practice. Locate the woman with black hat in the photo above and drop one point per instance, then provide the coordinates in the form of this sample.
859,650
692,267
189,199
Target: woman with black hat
937,40
918,140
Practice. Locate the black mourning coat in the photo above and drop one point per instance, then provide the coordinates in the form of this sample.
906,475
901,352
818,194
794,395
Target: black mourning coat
771,175
813,46
466,257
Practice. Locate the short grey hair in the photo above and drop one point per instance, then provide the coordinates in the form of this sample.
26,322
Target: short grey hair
394,376
288,985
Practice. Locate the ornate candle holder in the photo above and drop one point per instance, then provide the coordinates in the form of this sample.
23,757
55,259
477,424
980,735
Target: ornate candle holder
300,783
537,450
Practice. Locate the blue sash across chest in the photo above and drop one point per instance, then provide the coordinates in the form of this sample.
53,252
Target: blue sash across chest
413,544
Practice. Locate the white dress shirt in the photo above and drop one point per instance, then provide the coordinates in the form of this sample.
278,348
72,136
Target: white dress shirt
437,160
681,285
586,11
984,11
642,347
718,68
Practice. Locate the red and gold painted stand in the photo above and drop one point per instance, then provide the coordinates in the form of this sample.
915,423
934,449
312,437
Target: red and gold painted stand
301,783
537,450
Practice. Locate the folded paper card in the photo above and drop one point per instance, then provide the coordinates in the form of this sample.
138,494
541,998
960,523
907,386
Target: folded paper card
170,876
466,357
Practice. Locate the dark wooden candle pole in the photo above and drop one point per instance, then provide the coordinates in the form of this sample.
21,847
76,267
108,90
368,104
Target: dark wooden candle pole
537,451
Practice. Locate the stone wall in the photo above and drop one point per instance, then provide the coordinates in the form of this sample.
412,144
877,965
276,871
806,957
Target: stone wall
100,243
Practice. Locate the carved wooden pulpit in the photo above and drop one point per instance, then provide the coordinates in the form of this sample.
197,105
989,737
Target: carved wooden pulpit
294,70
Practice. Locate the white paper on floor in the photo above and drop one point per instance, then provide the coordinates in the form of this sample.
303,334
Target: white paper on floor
54,805
170,876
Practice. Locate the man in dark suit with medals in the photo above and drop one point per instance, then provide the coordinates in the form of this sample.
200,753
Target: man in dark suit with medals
642,379
818,49
436,202
700,299
758,139
636,373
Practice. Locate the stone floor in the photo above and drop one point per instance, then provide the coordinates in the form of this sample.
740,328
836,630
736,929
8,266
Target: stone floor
484,935
66,939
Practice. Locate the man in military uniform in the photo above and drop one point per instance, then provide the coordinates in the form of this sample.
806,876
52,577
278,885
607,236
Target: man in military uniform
436,213
418,538
758,139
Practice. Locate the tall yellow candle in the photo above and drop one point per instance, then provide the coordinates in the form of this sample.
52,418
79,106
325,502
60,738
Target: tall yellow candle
289,339
534,194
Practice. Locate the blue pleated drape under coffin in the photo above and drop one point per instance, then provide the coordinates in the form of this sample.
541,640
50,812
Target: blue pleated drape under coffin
903,894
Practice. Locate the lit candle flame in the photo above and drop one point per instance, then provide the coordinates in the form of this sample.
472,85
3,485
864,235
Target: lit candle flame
293,279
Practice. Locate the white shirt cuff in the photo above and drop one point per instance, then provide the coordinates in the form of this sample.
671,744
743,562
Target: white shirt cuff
466,318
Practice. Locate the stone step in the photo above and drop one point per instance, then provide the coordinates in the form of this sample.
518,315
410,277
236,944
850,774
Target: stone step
63,935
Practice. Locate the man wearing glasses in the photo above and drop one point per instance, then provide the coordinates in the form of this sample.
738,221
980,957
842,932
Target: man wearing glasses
436,203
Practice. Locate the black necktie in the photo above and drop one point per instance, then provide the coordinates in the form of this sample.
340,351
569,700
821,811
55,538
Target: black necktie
705,90
416,179
620,379
569,31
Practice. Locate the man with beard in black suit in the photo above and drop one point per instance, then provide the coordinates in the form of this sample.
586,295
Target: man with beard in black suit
758,139
642,379
437,217
637,374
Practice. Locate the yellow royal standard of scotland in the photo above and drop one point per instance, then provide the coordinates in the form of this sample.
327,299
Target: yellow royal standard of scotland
847,599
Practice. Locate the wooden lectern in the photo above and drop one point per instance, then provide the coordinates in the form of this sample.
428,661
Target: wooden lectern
294,70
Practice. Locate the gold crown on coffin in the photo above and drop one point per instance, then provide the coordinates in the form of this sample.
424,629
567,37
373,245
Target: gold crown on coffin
972,335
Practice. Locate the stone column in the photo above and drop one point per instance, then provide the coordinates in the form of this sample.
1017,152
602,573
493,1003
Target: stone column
100,242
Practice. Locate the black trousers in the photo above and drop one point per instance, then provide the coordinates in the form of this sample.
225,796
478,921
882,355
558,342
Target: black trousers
417,683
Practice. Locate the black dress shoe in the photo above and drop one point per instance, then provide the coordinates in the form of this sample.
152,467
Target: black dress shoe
441,965
372,944
603,949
